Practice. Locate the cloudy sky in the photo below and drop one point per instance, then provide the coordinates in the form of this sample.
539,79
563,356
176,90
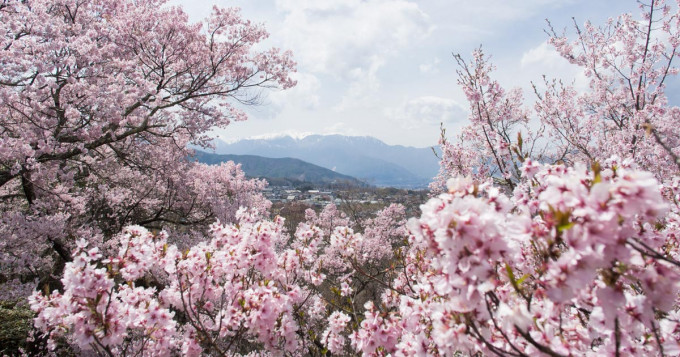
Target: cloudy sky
383,68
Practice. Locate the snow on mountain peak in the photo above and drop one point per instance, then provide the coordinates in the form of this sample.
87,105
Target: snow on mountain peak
267,136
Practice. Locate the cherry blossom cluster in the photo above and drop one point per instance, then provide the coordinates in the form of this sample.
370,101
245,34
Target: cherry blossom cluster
100,102
151,298
577,262
552,231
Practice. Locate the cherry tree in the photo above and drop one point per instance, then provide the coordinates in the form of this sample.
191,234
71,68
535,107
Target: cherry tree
628,63
99,101
217,297
536,278
251,287
625,111
553,231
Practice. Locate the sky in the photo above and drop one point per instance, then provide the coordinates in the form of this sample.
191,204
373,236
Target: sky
384,68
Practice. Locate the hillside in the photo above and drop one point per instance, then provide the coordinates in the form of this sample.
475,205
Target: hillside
278,170
365,158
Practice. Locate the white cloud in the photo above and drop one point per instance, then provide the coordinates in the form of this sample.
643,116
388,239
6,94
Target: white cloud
358,57
339,127
544,55
427,111
363,83
431,66
305,94
228,139
292,133
545,60
351,40
495,11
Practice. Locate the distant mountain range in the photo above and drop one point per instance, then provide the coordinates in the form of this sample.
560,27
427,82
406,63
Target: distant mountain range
280,170
365,158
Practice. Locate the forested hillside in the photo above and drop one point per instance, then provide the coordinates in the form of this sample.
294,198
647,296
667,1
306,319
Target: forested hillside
286,168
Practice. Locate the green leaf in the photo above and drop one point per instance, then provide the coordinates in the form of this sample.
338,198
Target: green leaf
522,279
597,178
565,226
511,274
515,283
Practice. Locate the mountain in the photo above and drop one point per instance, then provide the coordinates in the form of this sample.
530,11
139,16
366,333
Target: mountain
279,168
363,157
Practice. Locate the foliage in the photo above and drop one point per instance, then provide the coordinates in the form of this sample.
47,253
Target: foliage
15,326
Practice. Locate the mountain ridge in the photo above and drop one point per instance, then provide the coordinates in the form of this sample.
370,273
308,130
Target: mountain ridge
279,168
363,157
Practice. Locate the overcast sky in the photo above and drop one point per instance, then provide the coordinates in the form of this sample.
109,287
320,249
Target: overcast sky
383,68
